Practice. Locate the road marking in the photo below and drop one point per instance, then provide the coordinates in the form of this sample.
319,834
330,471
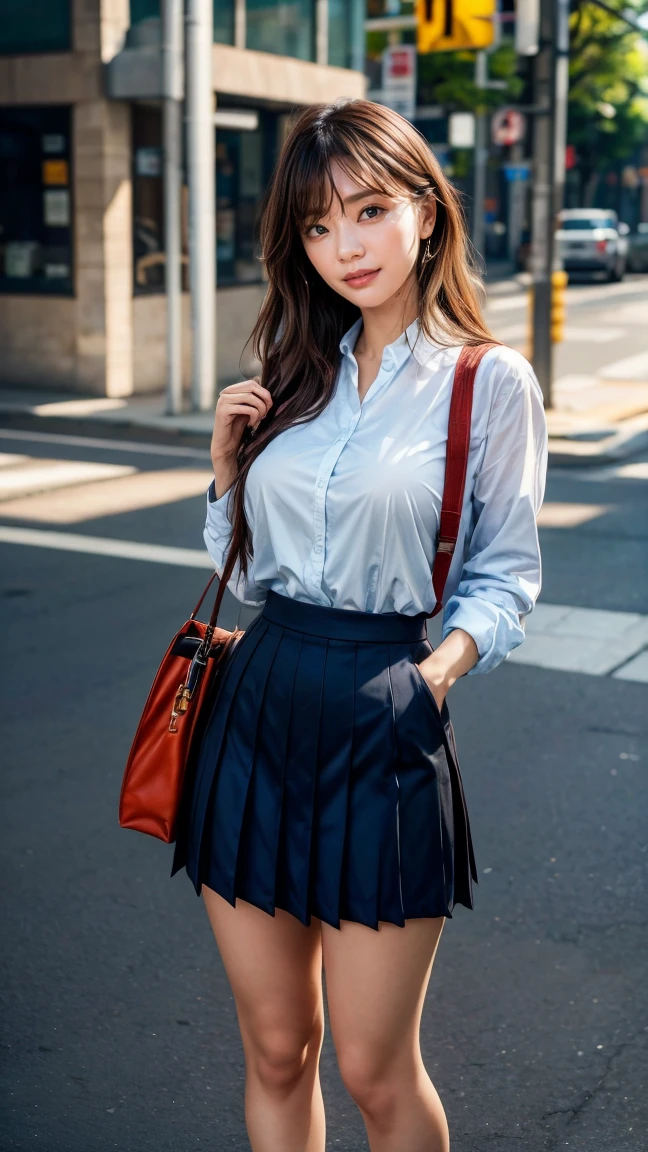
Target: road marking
632,368
576,334
125,446
574,295
592,641
555,515
48,475
100,546
636,669
130,492
635,471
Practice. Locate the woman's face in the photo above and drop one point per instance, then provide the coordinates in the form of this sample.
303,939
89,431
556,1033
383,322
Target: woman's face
373,234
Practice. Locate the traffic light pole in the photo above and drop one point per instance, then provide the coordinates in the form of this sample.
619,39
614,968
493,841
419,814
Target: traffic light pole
542,217
480,157
550,98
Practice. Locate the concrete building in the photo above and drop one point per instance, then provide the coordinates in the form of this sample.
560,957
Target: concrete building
81,252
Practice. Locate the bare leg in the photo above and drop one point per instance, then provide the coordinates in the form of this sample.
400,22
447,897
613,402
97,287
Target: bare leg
375,986
274,965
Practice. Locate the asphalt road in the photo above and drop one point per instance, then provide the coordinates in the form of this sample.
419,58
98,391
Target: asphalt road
118,1027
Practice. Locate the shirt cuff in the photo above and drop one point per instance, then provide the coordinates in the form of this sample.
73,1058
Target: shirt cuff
496,632
217,517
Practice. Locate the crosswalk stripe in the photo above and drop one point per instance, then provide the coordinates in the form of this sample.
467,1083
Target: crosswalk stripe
101,546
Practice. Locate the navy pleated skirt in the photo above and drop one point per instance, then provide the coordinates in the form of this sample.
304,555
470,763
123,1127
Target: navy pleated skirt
327,782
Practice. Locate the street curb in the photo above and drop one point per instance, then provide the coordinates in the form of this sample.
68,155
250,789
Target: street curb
105,429
631,436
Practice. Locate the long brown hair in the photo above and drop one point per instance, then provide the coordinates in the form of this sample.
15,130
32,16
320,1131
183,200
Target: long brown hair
302,319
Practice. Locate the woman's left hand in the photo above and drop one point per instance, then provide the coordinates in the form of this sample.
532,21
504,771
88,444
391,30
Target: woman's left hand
435,679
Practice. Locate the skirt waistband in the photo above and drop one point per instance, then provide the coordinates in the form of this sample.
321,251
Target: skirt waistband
343,623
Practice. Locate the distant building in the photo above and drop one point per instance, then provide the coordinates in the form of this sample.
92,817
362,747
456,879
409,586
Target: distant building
81,251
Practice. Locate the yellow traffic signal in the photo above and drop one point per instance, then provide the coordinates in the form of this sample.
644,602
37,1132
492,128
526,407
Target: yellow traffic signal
558,306
444,25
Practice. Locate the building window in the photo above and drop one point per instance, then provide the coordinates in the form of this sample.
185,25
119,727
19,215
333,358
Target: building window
148,205
346,33
34,26
35,201
223,16
286,28
245,159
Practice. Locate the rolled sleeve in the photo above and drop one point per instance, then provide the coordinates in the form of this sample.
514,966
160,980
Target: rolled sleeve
217,536
501,575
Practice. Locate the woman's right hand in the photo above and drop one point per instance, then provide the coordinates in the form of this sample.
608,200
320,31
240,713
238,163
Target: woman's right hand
238,406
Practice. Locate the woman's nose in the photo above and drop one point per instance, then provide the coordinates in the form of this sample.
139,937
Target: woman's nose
350,245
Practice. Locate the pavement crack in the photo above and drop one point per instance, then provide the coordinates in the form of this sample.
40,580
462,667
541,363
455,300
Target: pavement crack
575,1110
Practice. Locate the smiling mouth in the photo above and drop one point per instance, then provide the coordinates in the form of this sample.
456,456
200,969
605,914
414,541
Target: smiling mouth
358,279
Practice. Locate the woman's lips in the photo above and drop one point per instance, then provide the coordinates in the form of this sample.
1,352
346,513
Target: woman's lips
364,278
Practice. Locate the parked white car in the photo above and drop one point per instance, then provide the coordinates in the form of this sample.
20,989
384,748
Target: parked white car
593,240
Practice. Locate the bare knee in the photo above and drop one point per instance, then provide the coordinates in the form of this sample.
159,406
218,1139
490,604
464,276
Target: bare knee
375,1086
281,1058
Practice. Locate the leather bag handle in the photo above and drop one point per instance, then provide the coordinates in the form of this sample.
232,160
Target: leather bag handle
456,466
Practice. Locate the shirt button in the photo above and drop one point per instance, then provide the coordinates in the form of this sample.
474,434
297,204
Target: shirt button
320,484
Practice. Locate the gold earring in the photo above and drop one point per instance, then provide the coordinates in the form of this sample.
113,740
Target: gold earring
427,255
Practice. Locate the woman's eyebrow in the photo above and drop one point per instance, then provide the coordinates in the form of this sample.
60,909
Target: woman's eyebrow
363,194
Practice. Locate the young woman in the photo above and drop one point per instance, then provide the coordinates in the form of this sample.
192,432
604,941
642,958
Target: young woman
326,823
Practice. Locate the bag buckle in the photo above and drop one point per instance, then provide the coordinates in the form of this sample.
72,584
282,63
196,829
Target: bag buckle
445,545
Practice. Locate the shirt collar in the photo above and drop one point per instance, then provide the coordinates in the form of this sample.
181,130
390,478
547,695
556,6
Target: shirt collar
413,340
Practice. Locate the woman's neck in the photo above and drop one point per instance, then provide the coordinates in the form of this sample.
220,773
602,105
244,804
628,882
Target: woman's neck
381,326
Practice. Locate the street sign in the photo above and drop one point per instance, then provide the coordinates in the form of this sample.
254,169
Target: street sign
517,173
399,79
507,126
461,129
448,25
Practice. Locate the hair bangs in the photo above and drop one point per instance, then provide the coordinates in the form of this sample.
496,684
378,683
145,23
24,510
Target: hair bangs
313,189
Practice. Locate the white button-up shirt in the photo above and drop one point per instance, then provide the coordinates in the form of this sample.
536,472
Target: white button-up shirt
344,510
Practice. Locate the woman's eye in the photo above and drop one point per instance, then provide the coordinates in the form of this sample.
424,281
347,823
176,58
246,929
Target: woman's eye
311,231
374,209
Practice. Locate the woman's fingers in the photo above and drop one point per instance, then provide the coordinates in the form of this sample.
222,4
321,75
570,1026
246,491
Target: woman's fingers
244,409
249,393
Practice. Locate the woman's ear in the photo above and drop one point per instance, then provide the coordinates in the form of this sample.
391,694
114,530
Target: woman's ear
428,216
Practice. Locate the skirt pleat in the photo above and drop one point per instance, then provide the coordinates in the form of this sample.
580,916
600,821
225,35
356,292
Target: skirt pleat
327,782
332,780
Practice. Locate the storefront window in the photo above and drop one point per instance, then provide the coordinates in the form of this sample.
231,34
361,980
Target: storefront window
244,162
346,33
148,205
287,28
35,201
223,16
34,26
239,188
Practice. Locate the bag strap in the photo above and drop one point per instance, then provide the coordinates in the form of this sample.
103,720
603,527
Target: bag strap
456,467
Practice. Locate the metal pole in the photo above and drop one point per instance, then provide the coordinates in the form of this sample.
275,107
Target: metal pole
172,140
561,93
481,157
543,206
202,202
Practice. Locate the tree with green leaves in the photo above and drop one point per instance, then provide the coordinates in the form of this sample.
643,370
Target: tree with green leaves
608,88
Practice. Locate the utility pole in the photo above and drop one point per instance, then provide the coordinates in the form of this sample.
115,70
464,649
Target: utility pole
550,98
480,156
202,201
173,83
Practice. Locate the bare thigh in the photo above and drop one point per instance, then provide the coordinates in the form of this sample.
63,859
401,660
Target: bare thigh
375,987
274,966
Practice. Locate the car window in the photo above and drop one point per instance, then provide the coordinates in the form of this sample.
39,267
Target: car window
584,224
